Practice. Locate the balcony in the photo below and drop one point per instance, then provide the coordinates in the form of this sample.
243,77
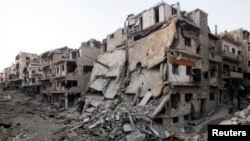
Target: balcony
58,90
238,75
215,57
233,75
232,56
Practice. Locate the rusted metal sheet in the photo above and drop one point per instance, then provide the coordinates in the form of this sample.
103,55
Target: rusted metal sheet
182,61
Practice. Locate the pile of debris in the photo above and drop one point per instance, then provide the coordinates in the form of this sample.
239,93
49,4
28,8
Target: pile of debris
125,117
239,118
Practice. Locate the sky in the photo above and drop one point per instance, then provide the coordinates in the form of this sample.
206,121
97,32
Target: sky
36,26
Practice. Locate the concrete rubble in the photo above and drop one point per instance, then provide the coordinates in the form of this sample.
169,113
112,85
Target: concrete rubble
239,118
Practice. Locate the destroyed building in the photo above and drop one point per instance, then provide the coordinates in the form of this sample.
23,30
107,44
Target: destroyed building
66,72
162,52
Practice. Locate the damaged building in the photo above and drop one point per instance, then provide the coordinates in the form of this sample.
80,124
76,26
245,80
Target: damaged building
232,68
66,72
28,72
24,74
162,53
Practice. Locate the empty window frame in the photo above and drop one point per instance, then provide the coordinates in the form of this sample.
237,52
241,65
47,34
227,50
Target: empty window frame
188,70
188,97
157,16
211,96
175,119
188,41
175,69
233,50
111,36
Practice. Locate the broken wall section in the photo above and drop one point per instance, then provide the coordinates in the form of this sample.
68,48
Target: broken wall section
107,73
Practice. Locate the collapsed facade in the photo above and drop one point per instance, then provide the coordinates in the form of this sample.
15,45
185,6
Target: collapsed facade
66,72
162,52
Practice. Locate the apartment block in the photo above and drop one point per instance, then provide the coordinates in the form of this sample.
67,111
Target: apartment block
66,72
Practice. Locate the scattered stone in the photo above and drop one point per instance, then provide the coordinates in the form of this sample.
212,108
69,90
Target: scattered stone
242,114
136,136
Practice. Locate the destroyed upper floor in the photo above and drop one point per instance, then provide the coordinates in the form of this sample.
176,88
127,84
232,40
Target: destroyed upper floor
188,28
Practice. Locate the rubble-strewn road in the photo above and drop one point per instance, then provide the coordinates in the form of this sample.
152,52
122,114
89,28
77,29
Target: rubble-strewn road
22,120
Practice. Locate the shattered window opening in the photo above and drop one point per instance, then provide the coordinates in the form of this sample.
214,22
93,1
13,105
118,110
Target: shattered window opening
87,69
175,69
163,111
174,11
111,36
158,120
71,67
233,50
188,97
188,41
186,117
157,18
175,99
62,67
239,52
175,119
188,70
211,96
240,70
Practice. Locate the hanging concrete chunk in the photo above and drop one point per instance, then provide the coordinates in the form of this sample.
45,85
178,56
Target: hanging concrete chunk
145,99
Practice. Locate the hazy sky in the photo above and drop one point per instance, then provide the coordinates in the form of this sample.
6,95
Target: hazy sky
39,25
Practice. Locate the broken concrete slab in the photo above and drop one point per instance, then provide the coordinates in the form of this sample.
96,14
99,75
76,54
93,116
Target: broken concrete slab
111,90
127,127
95,103
90,110
136,136
145,99
98,84
115,65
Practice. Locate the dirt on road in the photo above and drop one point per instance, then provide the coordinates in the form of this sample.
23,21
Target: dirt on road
22,118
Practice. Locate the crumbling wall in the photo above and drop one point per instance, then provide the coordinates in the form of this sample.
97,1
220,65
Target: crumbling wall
151,50
88,55
142,78
107,73
116,39
213,99
181,73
